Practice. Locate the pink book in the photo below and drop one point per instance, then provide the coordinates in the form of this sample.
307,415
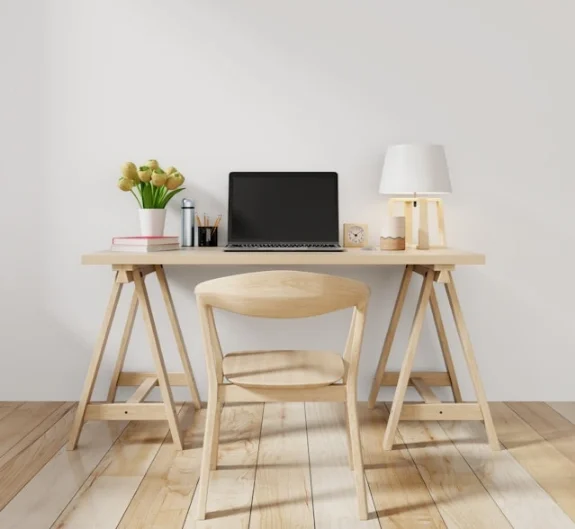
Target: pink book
144,241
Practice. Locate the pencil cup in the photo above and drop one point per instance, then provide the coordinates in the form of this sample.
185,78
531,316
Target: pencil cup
393,234
207,236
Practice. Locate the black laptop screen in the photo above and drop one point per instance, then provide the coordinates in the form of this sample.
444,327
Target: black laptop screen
283,207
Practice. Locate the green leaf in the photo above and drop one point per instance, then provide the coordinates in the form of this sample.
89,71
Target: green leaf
159,194
169,196
136,197
147,196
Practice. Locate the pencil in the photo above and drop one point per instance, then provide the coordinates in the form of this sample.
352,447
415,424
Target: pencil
216,224
198,220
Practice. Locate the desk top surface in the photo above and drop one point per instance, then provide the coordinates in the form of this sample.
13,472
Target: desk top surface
355,257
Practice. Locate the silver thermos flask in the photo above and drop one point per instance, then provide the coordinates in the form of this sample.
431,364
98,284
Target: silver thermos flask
188,216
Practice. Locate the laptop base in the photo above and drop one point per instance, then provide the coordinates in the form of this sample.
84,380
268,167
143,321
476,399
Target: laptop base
287,247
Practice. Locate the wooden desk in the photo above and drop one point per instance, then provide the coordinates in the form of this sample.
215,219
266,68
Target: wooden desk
435,266
216,256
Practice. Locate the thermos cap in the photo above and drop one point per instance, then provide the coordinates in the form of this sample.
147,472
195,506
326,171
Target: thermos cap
187,203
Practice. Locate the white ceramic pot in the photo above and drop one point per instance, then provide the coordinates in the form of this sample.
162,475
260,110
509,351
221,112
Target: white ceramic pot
393,234
394,228
152,222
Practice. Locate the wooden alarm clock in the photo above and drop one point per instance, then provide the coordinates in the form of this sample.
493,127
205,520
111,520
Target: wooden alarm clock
355,236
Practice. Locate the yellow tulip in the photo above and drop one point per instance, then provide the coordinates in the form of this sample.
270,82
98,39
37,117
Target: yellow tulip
125,184
159,179
173,182
130,171
145,175
153,164
180,176
171,170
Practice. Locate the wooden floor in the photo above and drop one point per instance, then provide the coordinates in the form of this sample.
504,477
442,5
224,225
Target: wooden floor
285,466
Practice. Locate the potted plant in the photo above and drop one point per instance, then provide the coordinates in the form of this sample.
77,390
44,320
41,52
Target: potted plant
154,189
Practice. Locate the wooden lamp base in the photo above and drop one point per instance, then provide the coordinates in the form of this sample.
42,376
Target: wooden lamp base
423,228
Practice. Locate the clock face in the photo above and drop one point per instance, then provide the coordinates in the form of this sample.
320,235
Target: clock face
356,234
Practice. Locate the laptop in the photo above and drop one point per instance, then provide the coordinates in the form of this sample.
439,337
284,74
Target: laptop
283,212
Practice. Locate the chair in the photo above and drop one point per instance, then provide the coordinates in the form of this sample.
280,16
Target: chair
280,375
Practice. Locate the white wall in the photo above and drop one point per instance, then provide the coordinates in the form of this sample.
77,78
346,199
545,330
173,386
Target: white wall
326,85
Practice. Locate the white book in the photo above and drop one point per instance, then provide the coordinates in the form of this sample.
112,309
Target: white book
144,249
145,241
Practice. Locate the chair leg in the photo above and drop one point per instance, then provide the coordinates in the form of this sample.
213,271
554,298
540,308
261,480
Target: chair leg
95,364
216,438
351,406
348,435
212,411
386,350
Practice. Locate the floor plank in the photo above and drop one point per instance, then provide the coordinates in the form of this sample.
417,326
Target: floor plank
8,407
165,494
282,494
460,497
519,496
232,485
551,469
548,423
333,487
567,409
45,496
22,420
399,493
105,495
136,480
33,434
26,464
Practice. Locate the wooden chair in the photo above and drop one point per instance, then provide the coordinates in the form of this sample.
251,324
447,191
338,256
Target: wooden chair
281,376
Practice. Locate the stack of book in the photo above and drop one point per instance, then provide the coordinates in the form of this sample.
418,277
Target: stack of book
145,244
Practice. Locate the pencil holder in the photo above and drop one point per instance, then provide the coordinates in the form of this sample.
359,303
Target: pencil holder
207,236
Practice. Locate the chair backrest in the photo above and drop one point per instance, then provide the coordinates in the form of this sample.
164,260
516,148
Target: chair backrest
282,294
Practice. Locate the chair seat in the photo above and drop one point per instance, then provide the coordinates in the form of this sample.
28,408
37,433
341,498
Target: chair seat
283,369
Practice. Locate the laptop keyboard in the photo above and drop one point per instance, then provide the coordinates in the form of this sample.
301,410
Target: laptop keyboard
287,246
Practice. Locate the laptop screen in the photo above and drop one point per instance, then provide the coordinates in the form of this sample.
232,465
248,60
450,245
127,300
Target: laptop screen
283,207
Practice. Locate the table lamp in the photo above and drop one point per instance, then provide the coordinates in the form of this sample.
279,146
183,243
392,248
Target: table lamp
417,169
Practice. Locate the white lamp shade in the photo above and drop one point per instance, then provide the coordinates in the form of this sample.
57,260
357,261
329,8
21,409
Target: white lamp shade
415,168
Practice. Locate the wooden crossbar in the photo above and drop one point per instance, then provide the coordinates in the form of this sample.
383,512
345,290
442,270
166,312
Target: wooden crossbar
126,273
136,378
148,411
143,390
431,378
439,276
424,391
232,393
443,411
